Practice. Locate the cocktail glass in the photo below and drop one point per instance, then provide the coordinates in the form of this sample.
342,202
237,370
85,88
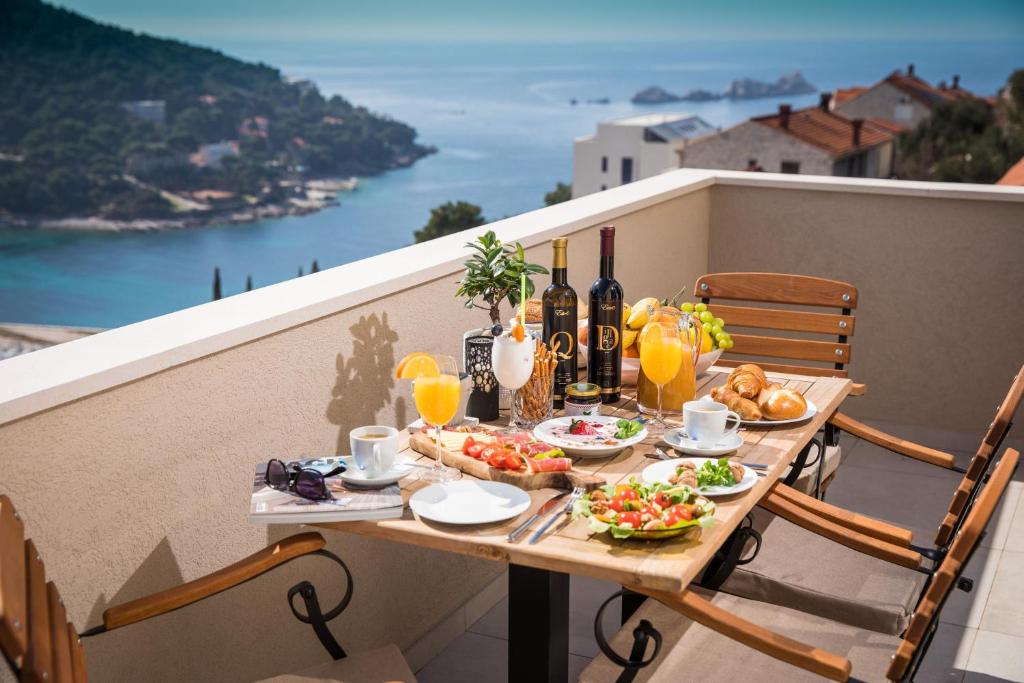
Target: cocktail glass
661,354
437,400
512,364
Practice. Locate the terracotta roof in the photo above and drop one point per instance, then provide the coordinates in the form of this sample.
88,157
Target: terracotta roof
845,94
827,130
925,92
1015,176
890,127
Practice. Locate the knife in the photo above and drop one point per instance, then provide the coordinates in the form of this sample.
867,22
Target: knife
576,494
544,509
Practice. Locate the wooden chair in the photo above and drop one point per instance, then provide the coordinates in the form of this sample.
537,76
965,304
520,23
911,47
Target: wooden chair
786,305
881,572
687,628
42,646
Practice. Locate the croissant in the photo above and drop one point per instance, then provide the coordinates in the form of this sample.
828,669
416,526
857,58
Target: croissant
778,403
744,407
747,380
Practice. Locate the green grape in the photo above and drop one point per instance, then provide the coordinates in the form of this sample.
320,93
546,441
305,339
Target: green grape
726,344
706,317
721,337
687,307
720,323
701,307
715,331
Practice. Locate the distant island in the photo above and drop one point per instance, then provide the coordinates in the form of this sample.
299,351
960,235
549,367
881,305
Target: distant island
104,127
740,89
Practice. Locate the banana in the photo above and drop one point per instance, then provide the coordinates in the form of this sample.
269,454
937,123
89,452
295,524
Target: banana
638,317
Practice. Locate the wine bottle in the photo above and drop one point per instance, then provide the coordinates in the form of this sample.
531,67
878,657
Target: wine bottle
559,305
604,341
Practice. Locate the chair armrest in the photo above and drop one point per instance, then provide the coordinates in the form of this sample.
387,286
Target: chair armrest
249,568
782,507
858,389
773,644
869,526
892,443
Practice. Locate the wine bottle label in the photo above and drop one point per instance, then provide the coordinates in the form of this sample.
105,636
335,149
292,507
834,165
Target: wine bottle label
607,337
563,344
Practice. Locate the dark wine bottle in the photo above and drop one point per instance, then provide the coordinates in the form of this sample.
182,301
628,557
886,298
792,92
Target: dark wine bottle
604,341
560,304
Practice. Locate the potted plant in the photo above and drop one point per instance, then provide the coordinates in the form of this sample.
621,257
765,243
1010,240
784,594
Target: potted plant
494,273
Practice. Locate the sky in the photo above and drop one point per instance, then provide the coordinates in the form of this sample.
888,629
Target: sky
563,20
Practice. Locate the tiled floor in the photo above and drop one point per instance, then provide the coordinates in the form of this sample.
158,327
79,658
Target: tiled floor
981,635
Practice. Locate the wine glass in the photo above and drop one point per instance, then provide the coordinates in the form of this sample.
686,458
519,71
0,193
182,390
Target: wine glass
437,400
661,354
512,365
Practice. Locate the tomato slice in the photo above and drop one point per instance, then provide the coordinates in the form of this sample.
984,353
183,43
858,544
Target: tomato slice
512,461
630,518
475,450
467,444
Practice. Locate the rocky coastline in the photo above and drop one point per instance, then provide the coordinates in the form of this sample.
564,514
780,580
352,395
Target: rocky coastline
789,84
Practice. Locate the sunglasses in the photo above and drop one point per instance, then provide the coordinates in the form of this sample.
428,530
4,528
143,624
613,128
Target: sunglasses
304,482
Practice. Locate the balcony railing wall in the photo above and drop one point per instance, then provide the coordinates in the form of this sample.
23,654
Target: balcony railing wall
133,472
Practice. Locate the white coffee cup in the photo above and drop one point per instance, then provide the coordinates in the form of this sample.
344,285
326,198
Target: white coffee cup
705,422
374,448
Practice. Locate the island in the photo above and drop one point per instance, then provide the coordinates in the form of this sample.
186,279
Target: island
789,84
101,127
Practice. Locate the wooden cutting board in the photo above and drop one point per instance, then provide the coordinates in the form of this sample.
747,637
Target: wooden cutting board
451,453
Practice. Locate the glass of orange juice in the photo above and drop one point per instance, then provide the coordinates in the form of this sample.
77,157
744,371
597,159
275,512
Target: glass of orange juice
437,400
661,354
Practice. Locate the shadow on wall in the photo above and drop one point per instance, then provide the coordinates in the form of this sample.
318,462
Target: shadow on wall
364,383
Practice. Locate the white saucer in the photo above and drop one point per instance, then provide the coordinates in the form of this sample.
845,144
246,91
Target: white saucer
357,477
677,439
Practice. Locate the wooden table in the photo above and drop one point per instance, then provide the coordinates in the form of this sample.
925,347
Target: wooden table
539,574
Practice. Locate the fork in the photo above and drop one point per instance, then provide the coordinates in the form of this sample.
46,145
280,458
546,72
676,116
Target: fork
576,494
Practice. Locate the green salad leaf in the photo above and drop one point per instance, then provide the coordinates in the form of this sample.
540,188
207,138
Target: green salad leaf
715,473
627,429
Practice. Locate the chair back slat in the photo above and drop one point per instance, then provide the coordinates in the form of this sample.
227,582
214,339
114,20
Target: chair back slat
927,612
981,461
796,349
62,672
780,319
78,672
780,288
13,590
37,666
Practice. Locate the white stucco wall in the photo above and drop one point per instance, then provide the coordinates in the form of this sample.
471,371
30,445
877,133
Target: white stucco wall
731,149
885,101
616,141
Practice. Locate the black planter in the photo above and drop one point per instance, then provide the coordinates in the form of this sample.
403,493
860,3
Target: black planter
483,398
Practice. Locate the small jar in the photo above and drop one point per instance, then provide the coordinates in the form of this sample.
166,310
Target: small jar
582,398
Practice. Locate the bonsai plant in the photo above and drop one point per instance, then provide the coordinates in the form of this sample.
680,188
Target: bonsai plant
493,274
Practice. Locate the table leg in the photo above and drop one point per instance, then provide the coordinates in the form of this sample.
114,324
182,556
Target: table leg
538,625
631,602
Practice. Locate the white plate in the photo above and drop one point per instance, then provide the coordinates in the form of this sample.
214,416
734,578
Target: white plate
469,502
663,469
809,413
357,477
543,433
677,439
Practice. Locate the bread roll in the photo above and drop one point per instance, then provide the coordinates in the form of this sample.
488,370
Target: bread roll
743,407
747,380
778,403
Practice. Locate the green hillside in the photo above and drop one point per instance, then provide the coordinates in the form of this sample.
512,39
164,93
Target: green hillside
67,137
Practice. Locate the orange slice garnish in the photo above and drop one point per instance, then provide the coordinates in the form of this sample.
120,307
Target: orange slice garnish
417,364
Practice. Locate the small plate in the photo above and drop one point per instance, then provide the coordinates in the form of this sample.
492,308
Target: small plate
469,502
678,439
357,477
809,413
544,433
661,470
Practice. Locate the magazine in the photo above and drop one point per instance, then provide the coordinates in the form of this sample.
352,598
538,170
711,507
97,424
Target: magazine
269,506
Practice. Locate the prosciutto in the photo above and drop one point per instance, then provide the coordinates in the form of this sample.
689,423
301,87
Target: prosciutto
549,465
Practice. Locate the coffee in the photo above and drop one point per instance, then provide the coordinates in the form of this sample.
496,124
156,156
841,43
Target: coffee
374,436
374,448
705,422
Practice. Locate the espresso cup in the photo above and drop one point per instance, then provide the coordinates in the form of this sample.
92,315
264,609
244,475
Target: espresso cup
374,448
705,422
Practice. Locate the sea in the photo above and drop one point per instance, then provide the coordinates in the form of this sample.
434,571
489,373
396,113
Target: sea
502,119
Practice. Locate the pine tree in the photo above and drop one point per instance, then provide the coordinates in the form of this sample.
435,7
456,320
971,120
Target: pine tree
216,284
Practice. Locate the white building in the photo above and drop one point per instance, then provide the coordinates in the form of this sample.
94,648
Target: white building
153,111
630,149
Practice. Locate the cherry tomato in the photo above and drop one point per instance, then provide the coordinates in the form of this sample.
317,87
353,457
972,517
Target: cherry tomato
626,492
630,518
663,500
511,461
467,444
492,455
677,513
649,510
616,504
475,450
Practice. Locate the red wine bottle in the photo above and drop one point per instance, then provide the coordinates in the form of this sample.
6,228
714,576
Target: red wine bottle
604,343
559,304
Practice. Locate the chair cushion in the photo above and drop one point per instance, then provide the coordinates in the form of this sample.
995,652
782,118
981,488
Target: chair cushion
691,652
383,665
805,480
800,569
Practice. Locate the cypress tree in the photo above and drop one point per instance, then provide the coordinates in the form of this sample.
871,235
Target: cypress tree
315,268
300,271
248,283
216,284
